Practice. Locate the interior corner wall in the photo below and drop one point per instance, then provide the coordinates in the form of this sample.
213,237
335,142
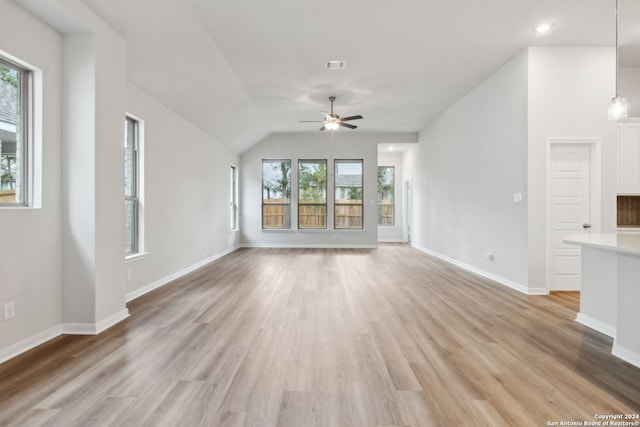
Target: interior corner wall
395,232
320,145
94,104
78,182
469,163
629,88
569,89
186,195
111,87
32,237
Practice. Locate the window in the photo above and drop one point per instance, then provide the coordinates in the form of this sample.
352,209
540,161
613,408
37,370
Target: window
14,132
132,186
348,194
233,198
312,194
386,197
276,194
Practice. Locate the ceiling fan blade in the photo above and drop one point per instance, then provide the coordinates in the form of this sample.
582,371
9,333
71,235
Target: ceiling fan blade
323,127
344,119
347,125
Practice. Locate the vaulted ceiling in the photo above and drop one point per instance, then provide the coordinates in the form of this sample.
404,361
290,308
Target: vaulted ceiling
240,70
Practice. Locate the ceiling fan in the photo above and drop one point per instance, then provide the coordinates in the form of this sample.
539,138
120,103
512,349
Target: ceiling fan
333,121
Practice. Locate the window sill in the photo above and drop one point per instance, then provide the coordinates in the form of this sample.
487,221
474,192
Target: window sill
18,207
313,230
135,257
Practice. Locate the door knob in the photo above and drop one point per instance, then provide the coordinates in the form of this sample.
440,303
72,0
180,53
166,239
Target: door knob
585,225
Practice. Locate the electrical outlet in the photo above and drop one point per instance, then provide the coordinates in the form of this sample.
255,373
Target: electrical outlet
9,310
129,274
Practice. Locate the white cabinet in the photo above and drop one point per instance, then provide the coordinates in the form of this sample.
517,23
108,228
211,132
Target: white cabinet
629,158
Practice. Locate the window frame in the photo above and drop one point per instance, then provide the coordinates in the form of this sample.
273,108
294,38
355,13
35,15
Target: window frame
286,205
137,246
393,199
301,204
336,202
25,144
233,198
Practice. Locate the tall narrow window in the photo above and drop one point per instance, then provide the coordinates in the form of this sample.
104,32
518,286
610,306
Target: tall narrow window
312,194
348,194
131,187
386,195
14,96
276,194
233,198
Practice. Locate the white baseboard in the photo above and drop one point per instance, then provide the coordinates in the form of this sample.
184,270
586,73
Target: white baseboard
94,328
308,246
626,354
506,282
161,282
78,329
592,323
28,343
391,241
54,332
118,317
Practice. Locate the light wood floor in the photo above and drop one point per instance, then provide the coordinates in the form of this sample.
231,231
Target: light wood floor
326,337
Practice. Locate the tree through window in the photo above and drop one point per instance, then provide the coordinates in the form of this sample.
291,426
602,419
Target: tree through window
386,195
276,194
312,194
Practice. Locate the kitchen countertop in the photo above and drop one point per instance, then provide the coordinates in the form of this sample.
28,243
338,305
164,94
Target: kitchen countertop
628,243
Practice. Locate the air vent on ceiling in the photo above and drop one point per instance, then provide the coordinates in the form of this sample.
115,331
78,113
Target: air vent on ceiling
335,65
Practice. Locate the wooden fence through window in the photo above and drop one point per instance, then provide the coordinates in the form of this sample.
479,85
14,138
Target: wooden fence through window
348,214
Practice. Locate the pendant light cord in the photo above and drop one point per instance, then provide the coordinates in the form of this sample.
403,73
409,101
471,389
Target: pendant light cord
617,66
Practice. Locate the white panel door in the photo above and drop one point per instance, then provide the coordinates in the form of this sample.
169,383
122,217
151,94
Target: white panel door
569,211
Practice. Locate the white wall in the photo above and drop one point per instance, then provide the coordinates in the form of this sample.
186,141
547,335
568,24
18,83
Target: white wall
94,89
469,163
394,233
569,89
493,143
629,87
186,195
77,238
30,239
321,145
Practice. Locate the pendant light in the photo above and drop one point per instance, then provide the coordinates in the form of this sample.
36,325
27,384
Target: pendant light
617,106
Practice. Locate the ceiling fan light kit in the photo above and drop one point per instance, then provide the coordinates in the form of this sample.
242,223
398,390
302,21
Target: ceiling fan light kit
333,121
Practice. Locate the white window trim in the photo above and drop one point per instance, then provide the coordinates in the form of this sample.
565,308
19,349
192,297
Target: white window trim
293,190
141,249
32,143
326,198
236,193
389,226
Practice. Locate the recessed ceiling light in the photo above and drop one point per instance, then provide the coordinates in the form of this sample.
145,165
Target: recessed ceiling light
391,148
335,65
543,28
